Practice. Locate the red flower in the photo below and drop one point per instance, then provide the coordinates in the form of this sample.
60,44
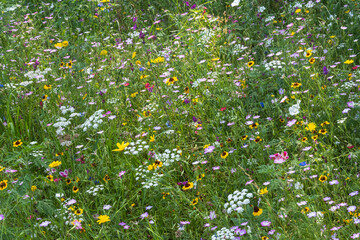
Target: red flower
223,109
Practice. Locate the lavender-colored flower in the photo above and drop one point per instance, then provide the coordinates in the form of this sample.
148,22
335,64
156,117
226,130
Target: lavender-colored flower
209,149
148,207
122,224
144,215
212,215
351,209
350,104
281,91
355,235
45,224
216,168
265,223
2,217
311,215
107,207
334,182
271,232
354,193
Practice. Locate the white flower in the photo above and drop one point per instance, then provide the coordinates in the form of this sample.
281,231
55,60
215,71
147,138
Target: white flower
235,3
295,109
246,201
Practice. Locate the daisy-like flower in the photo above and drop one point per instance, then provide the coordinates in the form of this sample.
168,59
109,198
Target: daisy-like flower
47,87
79,211
103,219
295,85
188,186
312,60
263,191
224,154
349,61
322,178
75,189
250,64
3,184
257,139
103,52
106,178
17,143
121,146
55,164
171,80
257,211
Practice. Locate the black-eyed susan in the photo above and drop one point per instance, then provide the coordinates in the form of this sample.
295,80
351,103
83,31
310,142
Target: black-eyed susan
324,123
17,143
264,238
312,60
44,98
308,53
322,178
187,186
69,64
244,137
315,137
164,194
75,189
257,139
323,131
3,184
79,211
228,140
186,90
257,211
199,177
147,113
47,87
68,181
62,64
250,64
254,125
194,201
224,154
171,80
305,210
50,177
295,85
106,178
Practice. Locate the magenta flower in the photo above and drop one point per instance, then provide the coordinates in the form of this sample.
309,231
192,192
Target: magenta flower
209,149
121,174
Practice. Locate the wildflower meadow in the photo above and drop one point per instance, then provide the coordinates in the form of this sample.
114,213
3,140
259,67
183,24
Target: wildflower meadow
175,119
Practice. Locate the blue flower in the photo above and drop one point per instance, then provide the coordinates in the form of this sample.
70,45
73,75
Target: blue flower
262,104
168,124
141,69
1,85
302,164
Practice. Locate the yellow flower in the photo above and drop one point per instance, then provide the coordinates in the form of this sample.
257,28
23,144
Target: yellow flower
257,211
295,85
17,143
215,59
75,189
121,146
147,113
134,55
304,139
150,167
152,138
1,168
47,87
308,53
263,191
106,178
298,10
134,94
50,177
103,52
58,45
79,211
188,186
323,131
250,64
69,64
103,219
170,81
195,201
138,62
224,154
349,61
55,164
44,98
322,178
3,185
65,43
312,60
311,127
258,139
199,177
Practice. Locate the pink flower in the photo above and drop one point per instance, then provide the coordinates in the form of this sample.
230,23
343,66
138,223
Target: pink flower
121,173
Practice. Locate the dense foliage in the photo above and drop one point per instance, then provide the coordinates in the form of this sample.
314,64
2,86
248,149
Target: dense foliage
179,119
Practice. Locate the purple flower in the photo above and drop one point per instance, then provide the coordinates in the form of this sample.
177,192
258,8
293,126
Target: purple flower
148,207
144,215
354,193
271,232
265,223
212,215
355,235
281,91
126,227
122,224
45,224
184,222
325,70
311,215
346,110
107,207
2,217
209,149
121,173
290,123
350,104
216,168
351,209
193,6
334,182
